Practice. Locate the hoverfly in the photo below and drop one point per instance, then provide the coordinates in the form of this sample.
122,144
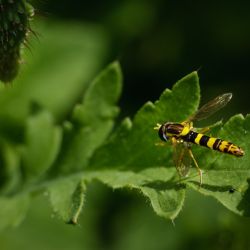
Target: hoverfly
183,134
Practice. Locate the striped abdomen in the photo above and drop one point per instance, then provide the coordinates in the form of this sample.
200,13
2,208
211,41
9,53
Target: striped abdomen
213,143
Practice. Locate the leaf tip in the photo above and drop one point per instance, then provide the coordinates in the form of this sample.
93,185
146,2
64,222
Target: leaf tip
115,66
191,77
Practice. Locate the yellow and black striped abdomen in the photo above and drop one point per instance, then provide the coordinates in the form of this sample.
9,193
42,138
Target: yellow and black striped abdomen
213,143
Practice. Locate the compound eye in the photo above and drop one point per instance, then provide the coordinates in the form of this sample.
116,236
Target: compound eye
162,134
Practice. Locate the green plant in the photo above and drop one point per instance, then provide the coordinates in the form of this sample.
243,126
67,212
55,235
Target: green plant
14,28
44,149
63,159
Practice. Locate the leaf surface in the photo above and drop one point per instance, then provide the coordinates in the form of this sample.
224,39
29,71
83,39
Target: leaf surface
67,198
91,122
132,149
42,143
13,210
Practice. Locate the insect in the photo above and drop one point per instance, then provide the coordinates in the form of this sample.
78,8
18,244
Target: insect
231,190
183,135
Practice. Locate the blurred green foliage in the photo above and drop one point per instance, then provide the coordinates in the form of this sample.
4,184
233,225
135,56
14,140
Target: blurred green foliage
156,42
130,224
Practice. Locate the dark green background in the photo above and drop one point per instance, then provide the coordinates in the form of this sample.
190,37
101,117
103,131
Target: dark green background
157,42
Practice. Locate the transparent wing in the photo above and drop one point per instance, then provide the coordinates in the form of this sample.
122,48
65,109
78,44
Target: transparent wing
182,159
211,107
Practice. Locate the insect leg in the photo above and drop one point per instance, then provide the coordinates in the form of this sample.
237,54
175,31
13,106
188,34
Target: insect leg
196,165
161,144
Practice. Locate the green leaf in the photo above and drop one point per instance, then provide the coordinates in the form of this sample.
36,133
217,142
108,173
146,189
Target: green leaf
42,143
10,172
167,203
129,158
133,145
92,121
132,148
156,184
102,94
13,210
67,198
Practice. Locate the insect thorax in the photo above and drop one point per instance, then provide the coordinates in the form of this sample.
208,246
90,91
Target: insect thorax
173,129
170,129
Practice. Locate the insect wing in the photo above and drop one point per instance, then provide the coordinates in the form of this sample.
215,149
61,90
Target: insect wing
211,107
182,159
